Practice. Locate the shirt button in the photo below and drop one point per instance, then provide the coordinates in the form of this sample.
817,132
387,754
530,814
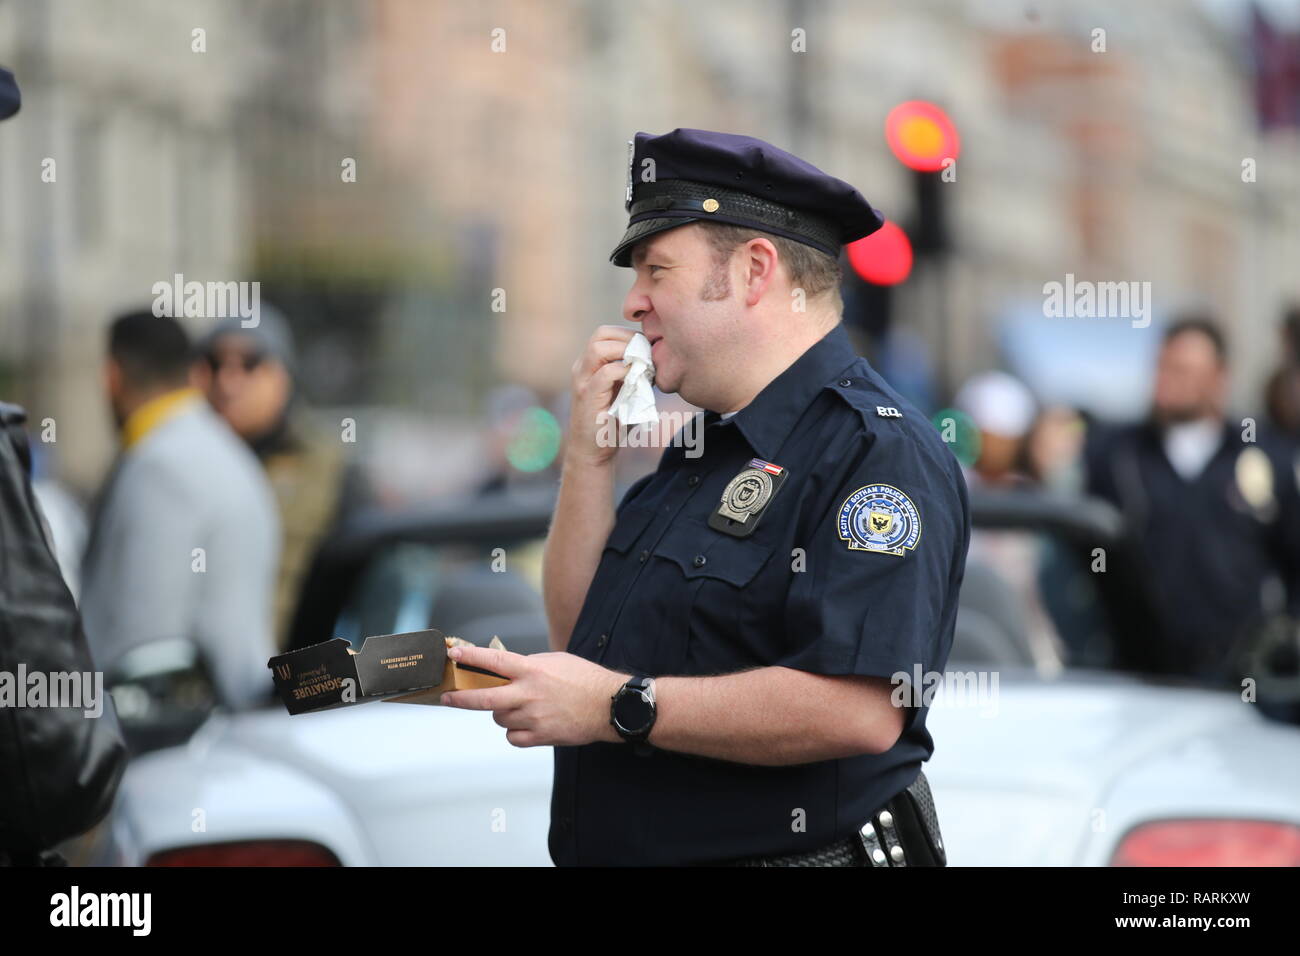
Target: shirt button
699,560
693,480
642,556
845,382
602,640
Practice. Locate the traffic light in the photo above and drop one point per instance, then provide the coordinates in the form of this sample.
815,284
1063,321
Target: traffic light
921,136
925,140
882,258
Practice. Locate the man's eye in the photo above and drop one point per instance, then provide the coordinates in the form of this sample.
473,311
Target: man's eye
653,268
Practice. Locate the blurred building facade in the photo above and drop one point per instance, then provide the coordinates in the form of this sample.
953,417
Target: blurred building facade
136,137
488,142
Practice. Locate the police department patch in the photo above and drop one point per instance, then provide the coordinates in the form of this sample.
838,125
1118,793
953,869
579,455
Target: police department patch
879,518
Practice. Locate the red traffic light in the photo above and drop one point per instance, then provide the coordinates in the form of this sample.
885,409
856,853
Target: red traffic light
921,135
882,258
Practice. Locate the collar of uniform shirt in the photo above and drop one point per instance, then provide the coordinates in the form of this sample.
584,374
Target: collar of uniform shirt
154,412
767,421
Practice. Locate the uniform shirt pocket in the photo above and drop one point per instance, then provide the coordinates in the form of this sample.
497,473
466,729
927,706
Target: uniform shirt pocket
703,608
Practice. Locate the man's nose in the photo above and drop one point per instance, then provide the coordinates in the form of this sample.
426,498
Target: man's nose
636,306
230,377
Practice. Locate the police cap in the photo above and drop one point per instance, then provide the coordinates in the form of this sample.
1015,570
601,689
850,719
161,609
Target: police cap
695,175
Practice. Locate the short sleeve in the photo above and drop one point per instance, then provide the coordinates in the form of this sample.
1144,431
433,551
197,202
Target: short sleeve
878,594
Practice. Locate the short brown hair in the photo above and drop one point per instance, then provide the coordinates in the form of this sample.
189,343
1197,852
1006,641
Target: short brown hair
809,269
1204,325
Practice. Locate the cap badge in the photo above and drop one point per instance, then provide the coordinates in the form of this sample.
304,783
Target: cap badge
631,154
710,205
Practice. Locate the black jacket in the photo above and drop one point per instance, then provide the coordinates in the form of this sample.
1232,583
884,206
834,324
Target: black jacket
59,767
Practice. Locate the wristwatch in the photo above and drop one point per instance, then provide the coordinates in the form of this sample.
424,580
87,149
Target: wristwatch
632,712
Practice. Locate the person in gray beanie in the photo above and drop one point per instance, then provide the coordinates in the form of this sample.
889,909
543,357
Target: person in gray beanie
248,375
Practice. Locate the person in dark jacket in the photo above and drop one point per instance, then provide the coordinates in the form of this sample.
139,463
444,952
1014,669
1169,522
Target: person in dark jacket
1211,502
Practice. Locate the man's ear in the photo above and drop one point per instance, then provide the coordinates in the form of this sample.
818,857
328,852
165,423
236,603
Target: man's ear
200,375
112,376
761,261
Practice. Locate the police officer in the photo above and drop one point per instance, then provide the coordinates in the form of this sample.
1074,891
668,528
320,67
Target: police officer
1213,509
741,644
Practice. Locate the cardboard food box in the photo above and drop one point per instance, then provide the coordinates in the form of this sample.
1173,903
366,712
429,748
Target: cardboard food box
411,668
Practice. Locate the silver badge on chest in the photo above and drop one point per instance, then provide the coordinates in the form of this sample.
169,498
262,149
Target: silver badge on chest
746,494
746,498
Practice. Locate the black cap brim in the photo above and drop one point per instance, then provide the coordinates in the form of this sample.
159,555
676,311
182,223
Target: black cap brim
622,254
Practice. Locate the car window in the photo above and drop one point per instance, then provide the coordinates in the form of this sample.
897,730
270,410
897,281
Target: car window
470,591
1029,599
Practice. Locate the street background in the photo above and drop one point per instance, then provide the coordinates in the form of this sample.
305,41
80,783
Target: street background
481,170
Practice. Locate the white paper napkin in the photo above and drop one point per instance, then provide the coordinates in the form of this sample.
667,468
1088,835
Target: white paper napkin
635,404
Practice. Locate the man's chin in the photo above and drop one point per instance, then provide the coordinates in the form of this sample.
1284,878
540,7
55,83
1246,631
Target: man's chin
668,383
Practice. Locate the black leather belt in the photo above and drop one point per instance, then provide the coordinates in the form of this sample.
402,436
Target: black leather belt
904,832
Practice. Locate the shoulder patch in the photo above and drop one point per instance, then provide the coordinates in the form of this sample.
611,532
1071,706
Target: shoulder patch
879,518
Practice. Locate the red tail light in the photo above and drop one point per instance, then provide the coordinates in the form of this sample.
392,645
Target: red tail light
1210,843
249,853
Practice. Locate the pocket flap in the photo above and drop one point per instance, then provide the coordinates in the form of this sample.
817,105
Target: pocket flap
701,552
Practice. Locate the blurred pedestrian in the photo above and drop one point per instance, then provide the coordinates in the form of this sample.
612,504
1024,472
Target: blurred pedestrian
1282,390
1002,410
247,375
1053,451
1212,505
184,541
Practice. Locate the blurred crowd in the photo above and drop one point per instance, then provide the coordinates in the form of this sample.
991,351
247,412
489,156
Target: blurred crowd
1208,496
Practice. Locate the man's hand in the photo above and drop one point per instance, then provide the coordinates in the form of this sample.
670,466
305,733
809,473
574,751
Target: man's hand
584,511
556,699
597,376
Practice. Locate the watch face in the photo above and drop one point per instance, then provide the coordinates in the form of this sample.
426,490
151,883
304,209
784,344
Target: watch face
632,711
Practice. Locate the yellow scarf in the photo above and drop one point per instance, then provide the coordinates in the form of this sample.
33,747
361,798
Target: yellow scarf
154,412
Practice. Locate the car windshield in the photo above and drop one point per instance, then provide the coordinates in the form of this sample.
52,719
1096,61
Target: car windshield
471,591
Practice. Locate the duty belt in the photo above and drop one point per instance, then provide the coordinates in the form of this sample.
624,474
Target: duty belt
904,832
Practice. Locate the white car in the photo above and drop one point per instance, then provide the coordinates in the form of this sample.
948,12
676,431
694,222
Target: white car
1093,769
1052,765
378,784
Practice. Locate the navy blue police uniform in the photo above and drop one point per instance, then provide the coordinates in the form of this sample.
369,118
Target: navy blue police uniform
823,527
1210,542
